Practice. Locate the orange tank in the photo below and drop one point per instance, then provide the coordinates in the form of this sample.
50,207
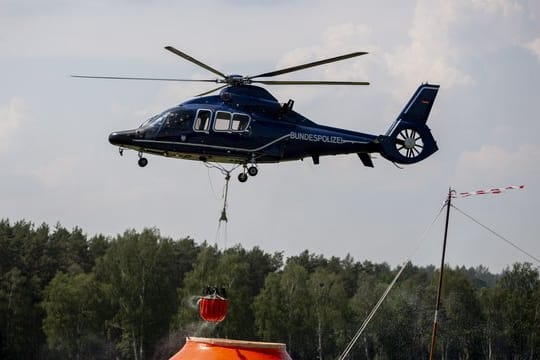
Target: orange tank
224,349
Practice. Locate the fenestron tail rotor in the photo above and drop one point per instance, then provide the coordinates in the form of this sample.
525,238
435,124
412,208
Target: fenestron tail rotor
236,80
409,143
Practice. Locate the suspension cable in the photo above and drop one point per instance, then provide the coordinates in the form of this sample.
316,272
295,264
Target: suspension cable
356,336
220,167
497,235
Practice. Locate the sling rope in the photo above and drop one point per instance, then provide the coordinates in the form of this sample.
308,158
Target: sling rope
223,215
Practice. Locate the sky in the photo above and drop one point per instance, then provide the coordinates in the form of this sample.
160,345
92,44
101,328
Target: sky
58,167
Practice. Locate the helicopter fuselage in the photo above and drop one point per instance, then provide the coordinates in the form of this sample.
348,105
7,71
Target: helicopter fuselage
243,124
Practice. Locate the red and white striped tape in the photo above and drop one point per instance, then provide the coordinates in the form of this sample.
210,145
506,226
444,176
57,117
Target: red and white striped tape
490,191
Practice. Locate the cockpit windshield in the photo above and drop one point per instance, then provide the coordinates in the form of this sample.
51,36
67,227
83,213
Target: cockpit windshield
152,126
168,124
155,120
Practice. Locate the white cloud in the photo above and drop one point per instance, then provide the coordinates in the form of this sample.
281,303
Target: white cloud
445,35
347,36
11,116
534,46
495,163
431,54
57,172
336,40
506,7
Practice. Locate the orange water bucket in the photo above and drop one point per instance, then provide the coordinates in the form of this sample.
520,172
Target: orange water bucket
213,308
224,349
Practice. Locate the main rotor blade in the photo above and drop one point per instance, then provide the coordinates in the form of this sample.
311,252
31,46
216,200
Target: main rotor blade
308,65
195,61
211,91
295,82
141,78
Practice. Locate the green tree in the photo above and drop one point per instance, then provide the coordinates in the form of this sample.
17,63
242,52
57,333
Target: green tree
349,271
260,265
185,253
15,302
308,261
76,308
330,305
299,318
461,319
269,305
369,290
396,327
97,247
283,311
516,301
139,267
21,282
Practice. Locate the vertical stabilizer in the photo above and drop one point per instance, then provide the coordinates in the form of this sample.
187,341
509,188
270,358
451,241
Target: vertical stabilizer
409,139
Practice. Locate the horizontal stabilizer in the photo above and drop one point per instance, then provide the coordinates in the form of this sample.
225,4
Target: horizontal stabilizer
366,159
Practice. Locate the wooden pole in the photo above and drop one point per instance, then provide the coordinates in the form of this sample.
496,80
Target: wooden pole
439,288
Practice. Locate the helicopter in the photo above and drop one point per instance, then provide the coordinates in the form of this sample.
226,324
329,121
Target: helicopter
245,125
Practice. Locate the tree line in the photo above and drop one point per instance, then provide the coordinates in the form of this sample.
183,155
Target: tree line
134,296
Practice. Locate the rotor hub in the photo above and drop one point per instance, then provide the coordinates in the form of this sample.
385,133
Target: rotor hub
409,142
237,80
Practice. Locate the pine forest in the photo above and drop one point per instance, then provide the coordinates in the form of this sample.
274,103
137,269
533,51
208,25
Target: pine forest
64,295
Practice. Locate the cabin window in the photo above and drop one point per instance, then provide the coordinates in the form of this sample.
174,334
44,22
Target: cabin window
239,122
202,121
222,122
226,121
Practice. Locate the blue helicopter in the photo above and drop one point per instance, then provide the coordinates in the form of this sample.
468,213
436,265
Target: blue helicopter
246,125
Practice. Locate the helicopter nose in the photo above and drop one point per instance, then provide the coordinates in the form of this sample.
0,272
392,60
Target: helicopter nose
121,137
